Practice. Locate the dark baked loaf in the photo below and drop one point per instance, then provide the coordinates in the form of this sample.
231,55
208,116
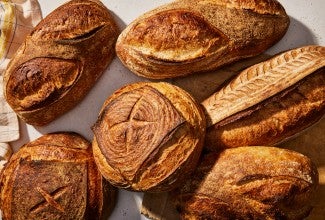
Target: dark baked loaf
148,136
190,36
249,183
55,177
60,61
268,102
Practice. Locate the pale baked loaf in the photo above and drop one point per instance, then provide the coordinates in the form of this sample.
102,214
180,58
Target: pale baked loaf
190,36
60,61
55,177
268,102
249,183
148,137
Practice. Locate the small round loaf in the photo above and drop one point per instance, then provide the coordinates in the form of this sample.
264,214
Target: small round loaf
148,136
249,183
60,61
55,177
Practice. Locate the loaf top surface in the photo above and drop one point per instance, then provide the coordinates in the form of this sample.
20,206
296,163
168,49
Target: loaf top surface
51,176
60,61
264,80
243,165
68,21
166,27
163,42
250,182
56,53
141,127
260,6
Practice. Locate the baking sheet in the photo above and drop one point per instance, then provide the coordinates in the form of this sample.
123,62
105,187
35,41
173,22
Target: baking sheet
307,27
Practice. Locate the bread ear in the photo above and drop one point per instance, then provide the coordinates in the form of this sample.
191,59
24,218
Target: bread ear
185,37
54,68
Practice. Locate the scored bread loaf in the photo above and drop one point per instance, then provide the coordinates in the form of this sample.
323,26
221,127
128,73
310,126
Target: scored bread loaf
268,102
60,61
148,136
55,177
190,36
249,183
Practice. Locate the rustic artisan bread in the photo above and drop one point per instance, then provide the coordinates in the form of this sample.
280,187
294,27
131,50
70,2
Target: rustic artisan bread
249,183
268,102
190,36
55,177
60,61
148,136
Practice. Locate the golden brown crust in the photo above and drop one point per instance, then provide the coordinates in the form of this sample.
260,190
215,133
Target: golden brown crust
55,177
148,136
189,36
268,102
54,68
249,183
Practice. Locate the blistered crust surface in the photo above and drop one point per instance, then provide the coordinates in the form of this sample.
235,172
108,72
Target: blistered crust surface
182,36
40,82
55,201
250,182
54,68
70,23
268,102
142,117
185,37
264,80
54,177
144,136
258,6
277,119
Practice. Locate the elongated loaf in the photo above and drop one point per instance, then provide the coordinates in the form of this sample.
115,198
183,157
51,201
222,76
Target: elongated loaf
268,102
60,61
190,36
249,183
55,177
148,137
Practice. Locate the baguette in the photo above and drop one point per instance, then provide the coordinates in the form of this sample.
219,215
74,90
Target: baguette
268,102
148,137
55,177
190,36
249,183
60,61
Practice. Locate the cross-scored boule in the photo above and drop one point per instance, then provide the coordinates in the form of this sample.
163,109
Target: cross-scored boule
148,136
55,177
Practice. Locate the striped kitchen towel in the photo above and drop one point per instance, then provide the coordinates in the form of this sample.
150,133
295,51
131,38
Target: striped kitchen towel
17,19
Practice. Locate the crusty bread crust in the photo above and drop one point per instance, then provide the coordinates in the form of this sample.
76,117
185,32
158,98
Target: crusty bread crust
60,61
249,183
190,36
148,136
55,177
268,102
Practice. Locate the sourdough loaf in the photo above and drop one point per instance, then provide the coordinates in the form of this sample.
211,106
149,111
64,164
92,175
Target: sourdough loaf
55,177
60,61
148,136
190,36
268,102
249,183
